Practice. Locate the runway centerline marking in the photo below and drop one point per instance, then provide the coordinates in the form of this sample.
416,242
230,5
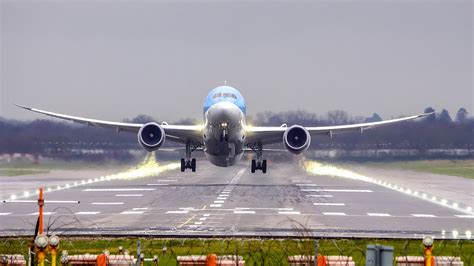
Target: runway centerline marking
5,213
378,214
334,213
338,190
320,196
117,189
107,203
44,213
140,208
128,195
328,204
423,215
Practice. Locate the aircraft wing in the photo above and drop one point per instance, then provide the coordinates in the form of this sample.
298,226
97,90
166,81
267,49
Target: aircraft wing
177,133
269,135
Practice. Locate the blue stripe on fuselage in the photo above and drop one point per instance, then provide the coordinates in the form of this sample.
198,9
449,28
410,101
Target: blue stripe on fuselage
224,94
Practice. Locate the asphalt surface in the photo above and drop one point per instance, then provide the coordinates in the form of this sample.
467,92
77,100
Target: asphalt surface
287,201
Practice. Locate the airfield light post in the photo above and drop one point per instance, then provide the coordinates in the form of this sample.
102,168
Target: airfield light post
53,244
428,252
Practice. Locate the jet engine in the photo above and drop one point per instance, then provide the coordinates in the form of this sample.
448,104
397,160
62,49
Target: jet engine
151,136
296,139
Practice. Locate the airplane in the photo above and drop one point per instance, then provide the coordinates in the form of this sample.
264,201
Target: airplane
225,135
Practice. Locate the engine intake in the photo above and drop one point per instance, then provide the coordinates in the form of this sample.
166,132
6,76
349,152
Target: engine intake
151,136
296,139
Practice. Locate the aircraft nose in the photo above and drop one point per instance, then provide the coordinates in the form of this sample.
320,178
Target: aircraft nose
224,112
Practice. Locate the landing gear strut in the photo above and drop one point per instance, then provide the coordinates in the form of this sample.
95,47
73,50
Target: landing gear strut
188,163
258,164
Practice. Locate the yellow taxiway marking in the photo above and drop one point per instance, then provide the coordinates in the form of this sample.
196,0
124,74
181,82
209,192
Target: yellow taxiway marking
190,219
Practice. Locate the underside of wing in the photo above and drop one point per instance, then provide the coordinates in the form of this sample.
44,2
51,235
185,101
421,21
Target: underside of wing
177,133
268,135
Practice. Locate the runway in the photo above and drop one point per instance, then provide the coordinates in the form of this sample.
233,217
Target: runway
287,201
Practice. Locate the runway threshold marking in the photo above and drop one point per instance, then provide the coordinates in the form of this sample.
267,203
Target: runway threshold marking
218,201
177,212
290,212
132,212
215,205
328,204
86,213
378,214
423,215
117,189
128,195
244,212
464,216
140,208
320,196
107,203
5,213
338,190
334,213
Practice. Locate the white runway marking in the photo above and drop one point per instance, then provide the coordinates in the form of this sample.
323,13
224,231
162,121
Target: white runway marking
206,215
338,190
107,203
167,180
465,216
86,213
117,189
218,201
328,204
378,214
198,223
202,219
221,198
334,213
177,212
132,212
320,196
423,215
140,208
215,205
244,212
128,195
152,184
5,213
225,192
289,212
306,185
44,213
273,209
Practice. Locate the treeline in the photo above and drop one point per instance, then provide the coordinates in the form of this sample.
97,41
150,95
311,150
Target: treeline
56,137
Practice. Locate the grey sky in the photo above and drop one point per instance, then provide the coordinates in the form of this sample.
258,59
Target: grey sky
112,60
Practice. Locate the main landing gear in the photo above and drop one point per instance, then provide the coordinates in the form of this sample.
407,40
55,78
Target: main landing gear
188,163
258,164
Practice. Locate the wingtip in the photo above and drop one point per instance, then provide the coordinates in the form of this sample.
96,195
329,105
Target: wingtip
22,106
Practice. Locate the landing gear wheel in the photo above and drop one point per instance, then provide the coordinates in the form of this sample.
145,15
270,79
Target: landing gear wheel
254,165
183,165
264,166
193,165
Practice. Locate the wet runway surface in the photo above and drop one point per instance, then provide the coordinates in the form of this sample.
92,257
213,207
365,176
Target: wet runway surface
231,201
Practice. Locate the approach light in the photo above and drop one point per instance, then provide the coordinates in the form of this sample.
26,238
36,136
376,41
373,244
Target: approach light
455,234
41,241
468,234
54,241
428,241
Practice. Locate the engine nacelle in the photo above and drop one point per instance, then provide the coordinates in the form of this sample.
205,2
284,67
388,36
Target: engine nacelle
151,136
296,139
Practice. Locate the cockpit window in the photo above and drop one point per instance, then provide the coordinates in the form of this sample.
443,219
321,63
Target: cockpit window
225,95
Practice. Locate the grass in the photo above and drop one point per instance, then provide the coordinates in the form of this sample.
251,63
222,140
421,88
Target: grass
462,168
254,251
21,171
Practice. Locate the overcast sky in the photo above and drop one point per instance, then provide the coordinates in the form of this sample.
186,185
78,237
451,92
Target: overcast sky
114,60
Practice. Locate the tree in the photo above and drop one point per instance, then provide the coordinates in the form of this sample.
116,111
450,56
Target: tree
462,115
374,118
445,117
431,118
337,117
